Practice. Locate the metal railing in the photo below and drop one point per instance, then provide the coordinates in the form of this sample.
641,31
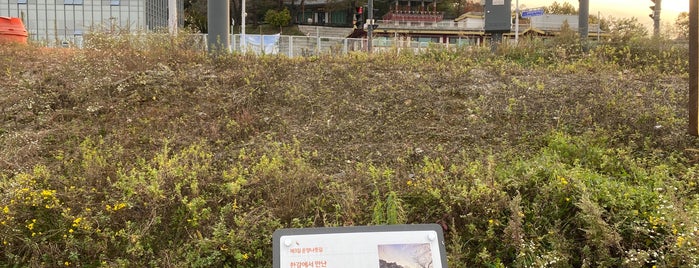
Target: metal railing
294,46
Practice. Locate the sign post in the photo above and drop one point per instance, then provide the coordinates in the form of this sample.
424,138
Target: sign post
498,20
420,245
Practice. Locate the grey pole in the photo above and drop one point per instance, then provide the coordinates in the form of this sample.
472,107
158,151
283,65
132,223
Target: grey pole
693,102
583,19
370,25
656,18
218,13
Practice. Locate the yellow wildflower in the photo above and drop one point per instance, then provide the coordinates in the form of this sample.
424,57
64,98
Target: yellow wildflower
563,181
680,241
47,193
30,226
77,221
6,210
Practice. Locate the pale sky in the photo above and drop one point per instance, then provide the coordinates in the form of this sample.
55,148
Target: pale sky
623,8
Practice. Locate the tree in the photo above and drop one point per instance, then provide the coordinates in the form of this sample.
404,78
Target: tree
626,29
454,8
682,25
561,9
195,15
278,18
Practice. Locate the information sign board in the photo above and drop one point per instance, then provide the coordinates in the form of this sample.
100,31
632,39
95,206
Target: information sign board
532,13
498,16
420,245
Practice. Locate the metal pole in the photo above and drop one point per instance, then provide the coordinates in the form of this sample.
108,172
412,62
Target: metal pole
172,16
516,21
583,19
656,18
599,24
218,13
693,67
243,40
370,30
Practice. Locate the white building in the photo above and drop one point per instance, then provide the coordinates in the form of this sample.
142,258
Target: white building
60,21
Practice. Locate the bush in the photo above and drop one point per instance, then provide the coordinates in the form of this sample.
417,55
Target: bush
278,18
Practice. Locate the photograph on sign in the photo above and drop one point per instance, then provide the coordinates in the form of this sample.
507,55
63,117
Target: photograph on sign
405,255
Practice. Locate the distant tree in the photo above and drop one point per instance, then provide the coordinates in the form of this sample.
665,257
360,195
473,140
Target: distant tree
195,15
682,25
454,8
561,9
278,18
626,29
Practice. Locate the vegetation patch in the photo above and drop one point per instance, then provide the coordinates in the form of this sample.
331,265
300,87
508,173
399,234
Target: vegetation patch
149,153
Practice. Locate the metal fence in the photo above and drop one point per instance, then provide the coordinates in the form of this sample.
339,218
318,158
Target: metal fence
295,46
291,46
301,46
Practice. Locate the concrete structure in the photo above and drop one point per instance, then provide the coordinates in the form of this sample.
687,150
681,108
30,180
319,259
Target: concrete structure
60,21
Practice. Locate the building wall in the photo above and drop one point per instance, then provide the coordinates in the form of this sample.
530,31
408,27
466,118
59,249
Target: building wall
59,21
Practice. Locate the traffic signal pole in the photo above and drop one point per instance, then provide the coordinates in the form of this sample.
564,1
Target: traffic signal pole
656,17
693,67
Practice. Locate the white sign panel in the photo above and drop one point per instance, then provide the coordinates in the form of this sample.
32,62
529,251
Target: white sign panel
498,2
351,247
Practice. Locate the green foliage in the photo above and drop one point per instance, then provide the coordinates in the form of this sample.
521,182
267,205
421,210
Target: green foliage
278,18
564,8
623,30
682,25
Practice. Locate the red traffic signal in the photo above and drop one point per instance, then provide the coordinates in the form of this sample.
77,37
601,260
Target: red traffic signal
360,10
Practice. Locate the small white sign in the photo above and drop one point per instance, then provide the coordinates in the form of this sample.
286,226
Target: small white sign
498,2
368,246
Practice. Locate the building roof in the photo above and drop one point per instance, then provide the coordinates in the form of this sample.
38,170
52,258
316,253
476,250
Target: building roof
473,15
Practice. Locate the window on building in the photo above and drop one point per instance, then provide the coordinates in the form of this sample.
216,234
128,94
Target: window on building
21,1
114,2
72,2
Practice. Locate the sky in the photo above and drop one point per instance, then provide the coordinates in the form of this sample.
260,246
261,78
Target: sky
623,8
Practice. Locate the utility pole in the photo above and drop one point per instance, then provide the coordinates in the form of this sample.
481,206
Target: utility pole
218,37
693,67
370,25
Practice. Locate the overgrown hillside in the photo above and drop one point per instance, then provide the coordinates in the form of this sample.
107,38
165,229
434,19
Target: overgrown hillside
156,155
